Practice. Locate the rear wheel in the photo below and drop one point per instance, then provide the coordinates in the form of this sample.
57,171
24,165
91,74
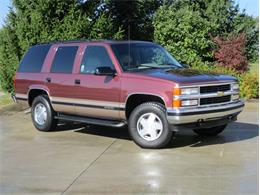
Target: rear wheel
43,114
210,131
149,127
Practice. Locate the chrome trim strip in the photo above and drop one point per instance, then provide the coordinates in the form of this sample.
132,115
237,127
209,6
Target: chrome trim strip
184,115
205,108
85,102
207,95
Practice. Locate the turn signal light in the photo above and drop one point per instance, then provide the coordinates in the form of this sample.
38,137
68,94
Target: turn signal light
176,103
176,91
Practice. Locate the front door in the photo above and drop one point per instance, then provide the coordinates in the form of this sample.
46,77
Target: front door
97,96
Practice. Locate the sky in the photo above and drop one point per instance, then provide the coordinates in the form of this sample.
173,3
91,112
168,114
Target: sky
251,7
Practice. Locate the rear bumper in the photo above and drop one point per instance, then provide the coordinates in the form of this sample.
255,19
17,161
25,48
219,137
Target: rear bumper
199,115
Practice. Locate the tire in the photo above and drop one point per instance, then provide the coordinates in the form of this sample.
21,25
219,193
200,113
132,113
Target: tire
45,121
210,131
158,135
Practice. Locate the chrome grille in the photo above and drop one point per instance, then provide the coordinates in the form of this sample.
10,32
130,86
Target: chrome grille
214,88
215,100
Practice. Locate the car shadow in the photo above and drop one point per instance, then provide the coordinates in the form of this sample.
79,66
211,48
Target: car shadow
234,132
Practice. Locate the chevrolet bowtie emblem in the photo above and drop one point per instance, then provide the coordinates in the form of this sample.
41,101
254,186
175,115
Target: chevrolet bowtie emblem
220,93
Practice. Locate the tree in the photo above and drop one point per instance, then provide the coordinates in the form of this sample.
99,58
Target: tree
231,52
184,32
135,17
185,27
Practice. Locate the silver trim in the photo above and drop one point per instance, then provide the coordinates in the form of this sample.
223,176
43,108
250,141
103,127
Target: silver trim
195,117
207,95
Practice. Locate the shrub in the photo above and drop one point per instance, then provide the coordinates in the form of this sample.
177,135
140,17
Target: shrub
231,52
249,85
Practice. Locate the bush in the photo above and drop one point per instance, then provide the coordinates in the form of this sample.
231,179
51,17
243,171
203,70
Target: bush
231,52
249,85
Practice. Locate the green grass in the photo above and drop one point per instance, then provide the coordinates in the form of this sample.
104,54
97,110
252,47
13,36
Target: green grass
254,66
5,98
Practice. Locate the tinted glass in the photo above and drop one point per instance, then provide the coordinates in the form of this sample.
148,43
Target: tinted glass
139,56
34,59
64,59
95,56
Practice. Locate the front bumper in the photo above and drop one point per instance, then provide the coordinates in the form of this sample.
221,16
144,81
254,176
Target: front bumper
203,114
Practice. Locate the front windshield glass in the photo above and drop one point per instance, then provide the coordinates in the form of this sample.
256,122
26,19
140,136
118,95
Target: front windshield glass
141,56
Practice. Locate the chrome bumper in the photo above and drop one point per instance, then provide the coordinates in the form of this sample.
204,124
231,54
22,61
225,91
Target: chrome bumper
193,115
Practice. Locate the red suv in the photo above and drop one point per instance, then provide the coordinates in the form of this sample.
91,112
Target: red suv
117,83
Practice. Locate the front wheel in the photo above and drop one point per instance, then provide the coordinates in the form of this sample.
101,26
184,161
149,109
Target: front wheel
210,131
149,127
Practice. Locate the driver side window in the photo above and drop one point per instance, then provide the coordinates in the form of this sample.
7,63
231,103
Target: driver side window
94,57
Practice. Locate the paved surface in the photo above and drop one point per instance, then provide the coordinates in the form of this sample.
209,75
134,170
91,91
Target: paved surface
96,160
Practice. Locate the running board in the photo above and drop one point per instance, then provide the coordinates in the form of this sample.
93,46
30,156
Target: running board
94,121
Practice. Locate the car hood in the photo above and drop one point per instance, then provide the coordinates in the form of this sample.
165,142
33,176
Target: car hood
186,75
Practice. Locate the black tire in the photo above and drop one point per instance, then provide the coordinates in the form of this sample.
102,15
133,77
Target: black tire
50,122
210,131
159,110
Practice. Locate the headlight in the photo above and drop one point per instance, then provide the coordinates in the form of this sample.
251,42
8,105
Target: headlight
235,87
190,91
189,102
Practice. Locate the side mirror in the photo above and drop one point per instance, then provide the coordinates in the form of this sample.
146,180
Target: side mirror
105,70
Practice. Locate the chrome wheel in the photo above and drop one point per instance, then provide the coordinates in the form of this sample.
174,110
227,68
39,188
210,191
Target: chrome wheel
149,126
40,114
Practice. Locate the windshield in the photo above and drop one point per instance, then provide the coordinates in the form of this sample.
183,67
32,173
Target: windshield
140,56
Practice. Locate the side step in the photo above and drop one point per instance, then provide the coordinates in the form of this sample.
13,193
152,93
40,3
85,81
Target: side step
94,121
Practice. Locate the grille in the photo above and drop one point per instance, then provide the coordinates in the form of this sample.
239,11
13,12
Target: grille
215,100
214,88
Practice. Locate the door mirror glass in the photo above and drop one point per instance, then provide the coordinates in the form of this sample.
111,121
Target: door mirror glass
105,70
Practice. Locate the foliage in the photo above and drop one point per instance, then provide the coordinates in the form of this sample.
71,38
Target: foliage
184,32
230,52
250,26
249,85
183,27
135,17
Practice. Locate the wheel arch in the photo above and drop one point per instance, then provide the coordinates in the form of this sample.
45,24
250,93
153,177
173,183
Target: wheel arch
135,99
34,91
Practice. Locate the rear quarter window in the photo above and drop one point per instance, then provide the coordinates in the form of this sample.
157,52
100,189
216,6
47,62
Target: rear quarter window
64,59
34,58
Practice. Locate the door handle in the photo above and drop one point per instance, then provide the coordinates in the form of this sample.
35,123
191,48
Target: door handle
48,79
77,81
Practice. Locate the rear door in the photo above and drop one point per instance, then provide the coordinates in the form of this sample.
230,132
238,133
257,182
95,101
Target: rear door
60,77
97,96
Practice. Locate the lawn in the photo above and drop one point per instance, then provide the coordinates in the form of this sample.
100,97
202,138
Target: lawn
5,98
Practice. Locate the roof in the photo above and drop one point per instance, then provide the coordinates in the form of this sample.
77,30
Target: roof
95,41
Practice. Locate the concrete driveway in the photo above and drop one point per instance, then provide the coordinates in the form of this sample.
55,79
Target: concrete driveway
80,159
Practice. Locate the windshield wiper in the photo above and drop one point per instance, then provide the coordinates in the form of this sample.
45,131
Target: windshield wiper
155,66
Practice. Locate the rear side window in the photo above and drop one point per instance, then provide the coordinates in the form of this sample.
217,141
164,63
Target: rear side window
95,56
34,59
64,59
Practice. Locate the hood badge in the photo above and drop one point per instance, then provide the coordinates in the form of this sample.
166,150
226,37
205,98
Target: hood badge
220,93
